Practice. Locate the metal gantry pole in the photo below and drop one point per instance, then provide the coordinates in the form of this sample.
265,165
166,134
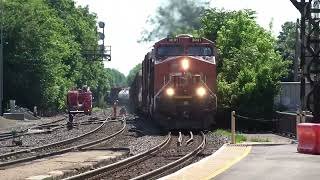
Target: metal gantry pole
302,58
1,56
310,55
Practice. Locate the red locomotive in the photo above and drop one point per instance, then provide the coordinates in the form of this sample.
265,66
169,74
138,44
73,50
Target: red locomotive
79,101
177,84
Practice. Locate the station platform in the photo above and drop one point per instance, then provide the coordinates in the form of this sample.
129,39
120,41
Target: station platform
281,162
60,166
251,162
212,165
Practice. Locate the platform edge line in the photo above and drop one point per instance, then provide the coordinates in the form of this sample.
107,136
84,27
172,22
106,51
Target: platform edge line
228,165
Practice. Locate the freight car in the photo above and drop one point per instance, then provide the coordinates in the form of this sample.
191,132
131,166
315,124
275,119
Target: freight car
135,94
177,84
123,96
114,94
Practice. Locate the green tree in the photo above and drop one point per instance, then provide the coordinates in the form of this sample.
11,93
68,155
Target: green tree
37,44
286,45
175,17
44,55
248,78
82,26
117,78
132,74
214,19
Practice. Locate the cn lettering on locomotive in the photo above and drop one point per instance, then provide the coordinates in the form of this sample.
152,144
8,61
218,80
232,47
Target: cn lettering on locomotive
177,83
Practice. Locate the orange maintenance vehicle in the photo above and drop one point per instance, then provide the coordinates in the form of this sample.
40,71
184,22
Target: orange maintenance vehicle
79,101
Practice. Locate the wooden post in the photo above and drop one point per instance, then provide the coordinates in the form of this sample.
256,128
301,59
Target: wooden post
35,111
12,106
303,118
233,127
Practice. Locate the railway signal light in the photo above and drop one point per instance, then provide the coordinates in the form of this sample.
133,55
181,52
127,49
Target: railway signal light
101,35
103,52
101,24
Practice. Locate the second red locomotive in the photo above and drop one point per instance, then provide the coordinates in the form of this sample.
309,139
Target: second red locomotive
177,84
79,101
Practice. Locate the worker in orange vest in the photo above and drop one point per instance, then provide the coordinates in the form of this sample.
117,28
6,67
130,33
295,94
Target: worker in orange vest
115,104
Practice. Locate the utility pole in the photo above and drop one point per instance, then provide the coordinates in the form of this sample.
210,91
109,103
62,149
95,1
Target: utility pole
1,57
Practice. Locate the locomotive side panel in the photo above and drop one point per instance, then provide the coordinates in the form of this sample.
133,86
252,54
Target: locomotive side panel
147,84
135,94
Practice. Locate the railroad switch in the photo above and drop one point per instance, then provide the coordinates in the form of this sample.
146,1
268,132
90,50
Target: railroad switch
17,142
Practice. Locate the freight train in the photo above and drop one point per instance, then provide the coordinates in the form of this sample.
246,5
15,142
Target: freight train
177,86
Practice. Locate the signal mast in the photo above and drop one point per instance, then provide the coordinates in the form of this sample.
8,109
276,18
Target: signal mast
103,52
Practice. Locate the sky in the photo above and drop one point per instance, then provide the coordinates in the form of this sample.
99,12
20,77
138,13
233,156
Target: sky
125,20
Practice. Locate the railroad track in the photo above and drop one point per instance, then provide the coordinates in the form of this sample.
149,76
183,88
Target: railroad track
9,135
124,168
95,136
46,128
157,173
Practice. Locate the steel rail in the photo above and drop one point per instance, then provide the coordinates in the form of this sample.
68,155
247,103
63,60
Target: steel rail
54,145
54,127
77,147
49,128
158,172
191,138
180,139
43,125
123,163
8,135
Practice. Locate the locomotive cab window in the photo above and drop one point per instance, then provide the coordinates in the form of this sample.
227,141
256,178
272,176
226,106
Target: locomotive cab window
200,51
170,51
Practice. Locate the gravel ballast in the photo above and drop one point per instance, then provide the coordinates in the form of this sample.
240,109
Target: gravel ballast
59,134
142,135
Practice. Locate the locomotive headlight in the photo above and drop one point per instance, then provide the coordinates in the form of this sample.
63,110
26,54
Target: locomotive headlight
185,64
201,91
170,91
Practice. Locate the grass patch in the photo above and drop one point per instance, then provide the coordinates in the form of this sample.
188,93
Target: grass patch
257,139
96,109
239,137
